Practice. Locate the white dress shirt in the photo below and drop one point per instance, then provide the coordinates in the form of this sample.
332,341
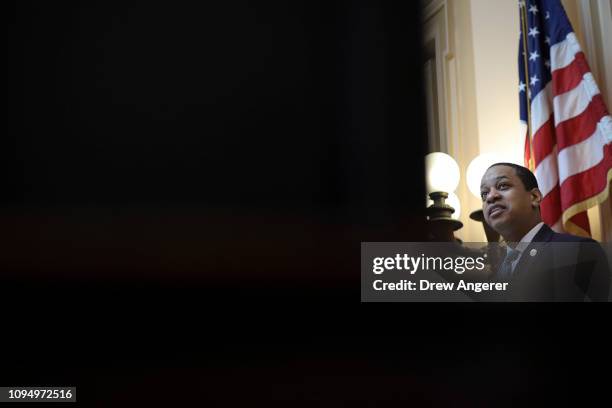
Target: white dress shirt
524,243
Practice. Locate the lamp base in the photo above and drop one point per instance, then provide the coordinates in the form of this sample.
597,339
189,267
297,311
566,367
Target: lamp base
439,218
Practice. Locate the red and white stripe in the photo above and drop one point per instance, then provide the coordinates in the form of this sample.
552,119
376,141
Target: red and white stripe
572,140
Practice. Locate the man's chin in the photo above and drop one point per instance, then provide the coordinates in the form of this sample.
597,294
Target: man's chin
498,225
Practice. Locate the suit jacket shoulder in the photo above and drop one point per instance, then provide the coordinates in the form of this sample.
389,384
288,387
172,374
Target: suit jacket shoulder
562,267
546,234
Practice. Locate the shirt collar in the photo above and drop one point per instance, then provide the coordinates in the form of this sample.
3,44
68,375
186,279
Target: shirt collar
526,240
532,233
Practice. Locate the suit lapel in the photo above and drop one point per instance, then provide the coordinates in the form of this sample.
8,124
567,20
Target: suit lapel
526,260
531,255
545,234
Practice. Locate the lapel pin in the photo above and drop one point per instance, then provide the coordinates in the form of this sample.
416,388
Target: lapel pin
533,252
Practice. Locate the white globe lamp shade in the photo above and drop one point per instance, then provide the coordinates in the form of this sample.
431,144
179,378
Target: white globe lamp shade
477,169
442,172
453,201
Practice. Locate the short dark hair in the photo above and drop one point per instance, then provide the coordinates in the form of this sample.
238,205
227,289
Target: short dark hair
527,177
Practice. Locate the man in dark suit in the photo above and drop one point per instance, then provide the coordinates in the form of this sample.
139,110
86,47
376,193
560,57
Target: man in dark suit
539,263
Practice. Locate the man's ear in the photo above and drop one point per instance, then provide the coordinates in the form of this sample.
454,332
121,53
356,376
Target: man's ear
536,197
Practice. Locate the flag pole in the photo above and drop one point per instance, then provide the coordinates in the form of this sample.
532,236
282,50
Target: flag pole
523,13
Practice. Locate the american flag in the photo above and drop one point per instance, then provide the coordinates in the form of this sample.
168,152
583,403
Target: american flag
570,146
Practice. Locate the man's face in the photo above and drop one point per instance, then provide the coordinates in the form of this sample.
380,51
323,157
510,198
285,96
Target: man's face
506,204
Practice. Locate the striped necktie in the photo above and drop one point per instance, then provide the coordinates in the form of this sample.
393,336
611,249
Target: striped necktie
505,270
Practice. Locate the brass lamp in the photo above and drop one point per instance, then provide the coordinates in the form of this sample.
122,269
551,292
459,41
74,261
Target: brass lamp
442,176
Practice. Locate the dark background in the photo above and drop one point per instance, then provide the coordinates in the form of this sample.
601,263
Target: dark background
186,186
